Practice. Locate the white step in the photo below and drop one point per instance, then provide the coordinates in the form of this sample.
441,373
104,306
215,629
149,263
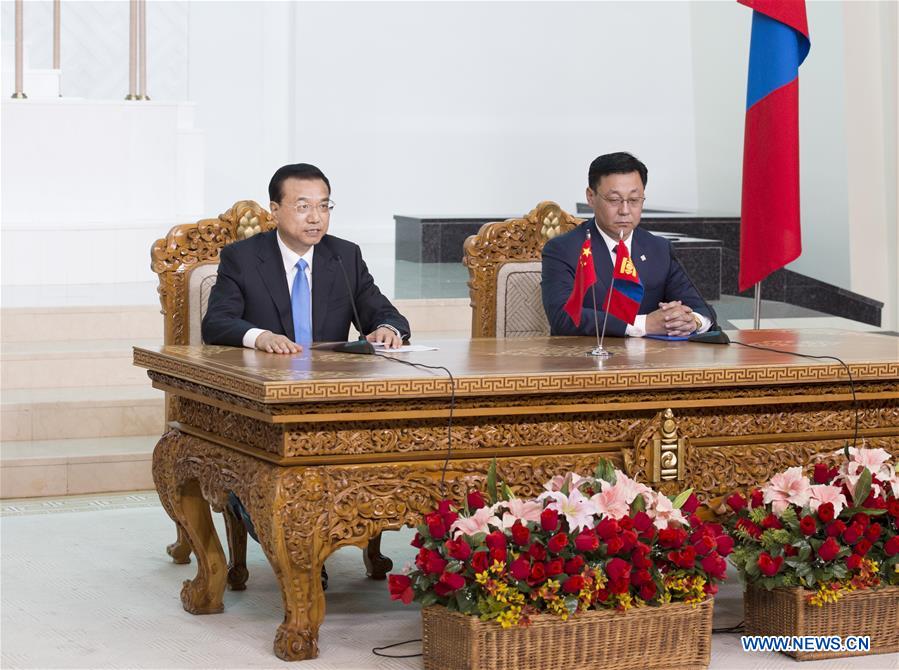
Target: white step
78,466
43,324
74,363
64,413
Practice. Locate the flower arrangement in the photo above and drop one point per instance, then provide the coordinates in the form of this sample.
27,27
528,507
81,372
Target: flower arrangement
585,543
831,533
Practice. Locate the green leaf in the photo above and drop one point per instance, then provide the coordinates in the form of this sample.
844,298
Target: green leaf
507,492
862,488
852,511
491,481
804,552
681,498
639,505
428,598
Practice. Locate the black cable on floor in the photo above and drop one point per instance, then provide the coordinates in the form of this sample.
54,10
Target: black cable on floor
739,628
377,650
449,426
831,358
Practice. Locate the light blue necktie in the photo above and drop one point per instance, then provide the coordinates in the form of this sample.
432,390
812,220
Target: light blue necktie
300,306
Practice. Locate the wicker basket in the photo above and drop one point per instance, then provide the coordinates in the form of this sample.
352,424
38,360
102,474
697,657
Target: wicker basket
647,638
871,612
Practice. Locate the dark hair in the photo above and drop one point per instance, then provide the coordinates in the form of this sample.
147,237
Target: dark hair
620,162
295,171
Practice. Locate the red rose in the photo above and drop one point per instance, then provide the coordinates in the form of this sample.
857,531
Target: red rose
574,566
448,583
835,529
573,584
520,568
495,540
607,529
434,564
520,533
704,544
475,500
400,587
691,504
537,552
620,585
648,591
823,474
829,550
418,541
549,520
736,502
642,522
480,561
873,531
862,547
639,559
640,577
626,523
615,545
555,567
444,507
825,512
807,525
714,566
710,589
853,561
672,538
686,558
756,498
538,574
769,565
852,534
618,570
749,527
458,549
628,540
586,541
893,508
725,545
771,522
891,546
862,520
498,554
436,527
557,542
790,550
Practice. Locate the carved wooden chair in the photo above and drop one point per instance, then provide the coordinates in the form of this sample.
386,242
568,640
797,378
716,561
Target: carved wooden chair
186,261
503,262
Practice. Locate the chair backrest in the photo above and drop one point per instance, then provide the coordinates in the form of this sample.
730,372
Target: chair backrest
504,269
186,261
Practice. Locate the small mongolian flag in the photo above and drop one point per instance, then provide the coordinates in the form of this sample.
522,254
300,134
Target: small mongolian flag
584,278
626,293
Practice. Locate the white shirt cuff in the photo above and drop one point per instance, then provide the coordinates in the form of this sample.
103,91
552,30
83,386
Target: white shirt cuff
706,322
638,329
393,328
249,337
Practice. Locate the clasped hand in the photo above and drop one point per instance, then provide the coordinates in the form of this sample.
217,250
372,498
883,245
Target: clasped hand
281,344
672,318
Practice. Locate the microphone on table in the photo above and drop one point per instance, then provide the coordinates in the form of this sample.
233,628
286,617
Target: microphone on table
714,335
360,346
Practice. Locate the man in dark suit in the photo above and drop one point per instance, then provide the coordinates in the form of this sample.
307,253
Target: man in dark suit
284,289
671,304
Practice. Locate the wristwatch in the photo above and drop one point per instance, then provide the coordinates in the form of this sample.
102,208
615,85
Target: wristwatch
698,321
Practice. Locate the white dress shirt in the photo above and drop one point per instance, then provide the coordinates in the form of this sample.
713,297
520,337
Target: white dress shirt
290,259
638,329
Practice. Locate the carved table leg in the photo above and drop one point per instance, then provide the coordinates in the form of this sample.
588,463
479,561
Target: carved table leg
236,532
203,593
376,564
179,550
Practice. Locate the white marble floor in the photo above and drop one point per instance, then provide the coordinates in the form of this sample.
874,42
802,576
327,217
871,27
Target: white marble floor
86,584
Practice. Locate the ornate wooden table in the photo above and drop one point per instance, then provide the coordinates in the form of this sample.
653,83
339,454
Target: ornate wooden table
327,450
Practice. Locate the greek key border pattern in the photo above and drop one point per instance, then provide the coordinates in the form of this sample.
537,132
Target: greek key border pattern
513,384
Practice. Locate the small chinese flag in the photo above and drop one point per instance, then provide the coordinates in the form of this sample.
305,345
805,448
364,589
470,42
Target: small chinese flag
626,293
584,278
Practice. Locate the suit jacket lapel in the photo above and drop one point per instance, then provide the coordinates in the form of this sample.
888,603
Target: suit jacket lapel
324,271
271,268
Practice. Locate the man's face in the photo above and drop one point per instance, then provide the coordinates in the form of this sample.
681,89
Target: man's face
617,203
303,214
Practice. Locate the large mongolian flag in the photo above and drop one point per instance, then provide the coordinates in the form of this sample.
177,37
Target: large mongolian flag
626,292
584,278
769,228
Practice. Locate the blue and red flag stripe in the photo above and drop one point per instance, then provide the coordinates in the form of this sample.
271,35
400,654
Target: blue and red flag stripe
770,234
626,292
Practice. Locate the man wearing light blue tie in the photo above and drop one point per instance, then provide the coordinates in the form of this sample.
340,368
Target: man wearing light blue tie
282,290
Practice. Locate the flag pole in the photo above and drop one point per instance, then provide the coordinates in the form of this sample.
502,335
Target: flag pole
599,351
757,307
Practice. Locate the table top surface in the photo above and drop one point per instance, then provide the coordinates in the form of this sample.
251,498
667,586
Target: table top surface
532,365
